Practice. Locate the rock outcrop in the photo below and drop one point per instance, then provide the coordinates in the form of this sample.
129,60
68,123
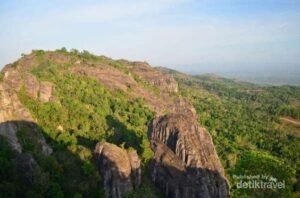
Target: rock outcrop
164,82
120,169
16,79
186,163
11,108
9,130
45,91
109,76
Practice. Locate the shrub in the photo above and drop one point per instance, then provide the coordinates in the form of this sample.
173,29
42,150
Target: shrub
1,76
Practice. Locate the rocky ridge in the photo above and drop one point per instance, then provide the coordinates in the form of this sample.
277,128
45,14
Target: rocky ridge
185,162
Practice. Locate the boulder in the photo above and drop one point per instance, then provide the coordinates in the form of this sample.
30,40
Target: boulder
119,168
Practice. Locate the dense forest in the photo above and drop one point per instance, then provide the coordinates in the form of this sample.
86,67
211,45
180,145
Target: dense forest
245,121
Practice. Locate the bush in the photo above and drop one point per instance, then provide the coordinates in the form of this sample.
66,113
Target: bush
1,76
38,52
88,169
263,164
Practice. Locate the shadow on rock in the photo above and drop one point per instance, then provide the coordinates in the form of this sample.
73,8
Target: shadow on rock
119,168
41,166
121,134
176,180
185,161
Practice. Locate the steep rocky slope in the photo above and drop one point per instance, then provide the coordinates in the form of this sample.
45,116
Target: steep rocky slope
185,150
39,88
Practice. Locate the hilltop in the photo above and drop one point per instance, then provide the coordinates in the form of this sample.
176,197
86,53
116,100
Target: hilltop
84,125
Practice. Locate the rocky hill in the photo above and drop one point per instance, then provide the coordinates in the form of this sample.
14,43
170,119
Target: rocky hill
57,108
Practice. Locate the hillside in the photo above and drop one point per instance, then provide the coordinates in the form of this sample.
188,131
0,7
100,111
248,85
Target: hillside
249,127
74,124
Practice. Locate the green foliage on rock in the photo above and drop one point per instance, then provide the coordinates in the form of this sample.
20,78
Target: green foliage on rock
243,119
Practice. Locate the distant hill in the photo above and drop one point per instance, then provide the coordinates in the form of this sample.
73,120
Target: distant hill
262,78
284,78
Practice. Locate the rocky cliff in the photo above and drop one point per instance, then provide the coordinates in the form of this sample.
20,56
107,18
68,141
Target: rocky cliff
186,163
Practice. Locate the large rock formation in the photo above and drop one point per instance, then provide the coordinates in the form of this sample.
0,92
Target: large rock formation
186,163
13,114
120,169
16,79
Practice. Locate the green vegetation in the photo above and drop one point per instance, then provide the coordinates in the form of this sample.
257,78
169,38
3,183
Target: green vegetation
1,76
243,117
14,65
290,110
82,113
266,166
86,109
7,188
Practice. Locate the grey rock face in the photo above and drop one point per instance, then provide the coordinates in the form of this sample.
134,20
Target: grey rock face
120,169
9,130
135,163
186,163
30,172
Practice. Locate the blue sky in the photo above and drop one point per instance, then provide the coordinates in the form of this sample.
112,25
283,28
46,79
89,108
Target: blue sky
198,36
